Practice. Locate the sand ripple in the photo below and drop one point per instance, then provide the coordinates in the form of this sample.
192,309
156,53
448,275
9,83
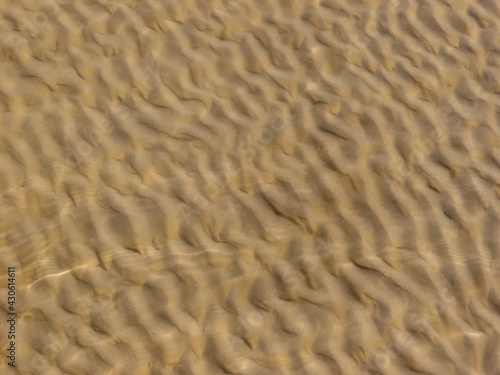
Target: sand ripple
252,187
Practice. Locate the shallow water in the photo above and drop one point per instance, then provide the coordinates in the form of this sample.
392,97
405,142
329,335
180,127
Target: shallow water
251,187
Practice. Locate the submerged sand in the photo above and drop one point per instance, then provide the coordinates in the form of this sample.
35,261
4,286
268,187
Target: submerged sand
251,187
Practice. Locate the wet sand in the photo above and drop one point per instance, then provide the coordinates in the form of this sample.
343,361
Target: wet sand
250,187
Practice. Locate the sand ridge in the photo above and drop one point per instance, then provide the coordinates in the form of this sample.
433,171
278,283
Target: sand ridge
251,187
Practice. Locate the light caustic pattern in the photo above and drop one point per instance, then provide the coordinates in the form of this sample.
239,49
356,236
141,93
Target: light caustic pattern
251,187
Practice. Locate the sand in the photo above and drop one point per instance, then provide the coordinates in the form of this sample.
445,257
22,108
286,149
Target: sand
250,187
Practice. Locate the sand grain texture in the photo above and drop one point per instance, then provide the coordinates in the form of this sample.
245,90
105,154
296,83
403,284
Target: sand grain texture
251,187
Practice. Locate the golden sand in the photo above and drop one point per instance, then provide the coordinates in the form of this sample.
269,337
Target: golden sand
250,187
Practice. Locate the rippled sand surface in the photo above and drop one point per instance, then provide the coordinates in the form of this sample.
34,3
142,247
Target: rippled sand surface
251,187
